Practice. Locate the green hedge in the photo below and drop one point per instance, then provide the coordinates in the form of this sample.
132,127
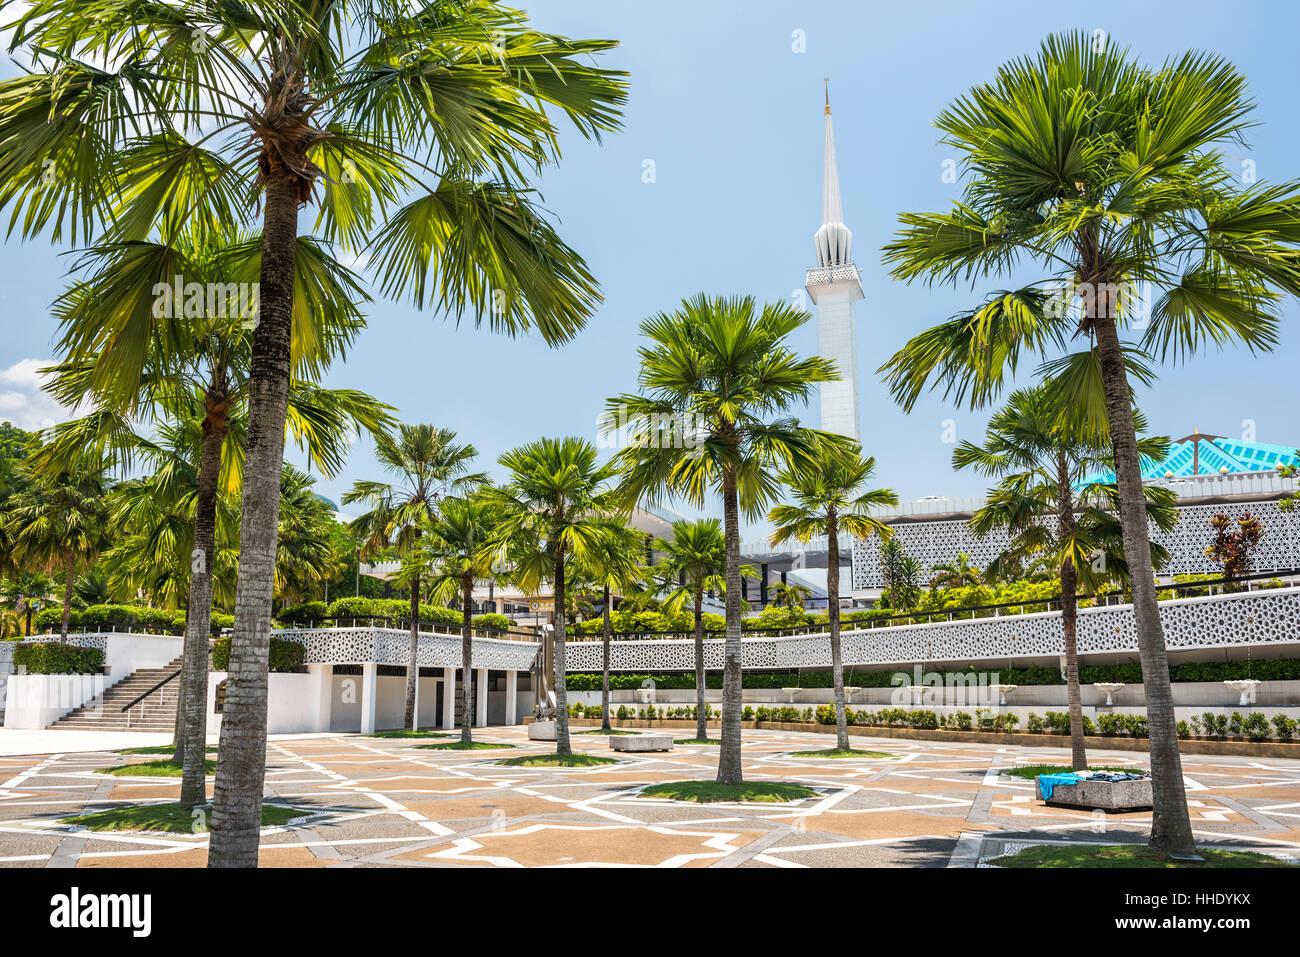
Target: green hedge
122,617
306,613
391,608
284,655
1281,669
57,658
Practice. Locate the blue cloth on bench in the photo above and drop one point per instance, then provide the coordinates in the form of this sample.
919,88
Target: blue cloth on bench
1046,782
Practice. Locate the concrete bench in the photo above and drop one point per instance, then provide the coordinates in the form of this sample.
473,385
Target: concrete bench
1101,795
541,731
641,742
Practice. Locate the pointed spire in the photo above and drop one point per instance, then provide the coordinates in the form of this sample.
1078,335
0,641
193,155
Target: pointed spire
834,241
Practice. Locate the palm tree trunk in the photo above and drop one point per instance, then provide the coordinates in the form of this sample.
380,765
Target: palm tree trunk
1070,615
192,711
1171,827
241,758
412,668
604,670
466,656
561,693
729,766
833,627
70,568
701,708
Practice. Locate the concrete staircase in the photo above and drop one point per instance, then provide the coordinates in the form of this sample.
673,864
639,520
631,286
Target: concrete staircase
155,713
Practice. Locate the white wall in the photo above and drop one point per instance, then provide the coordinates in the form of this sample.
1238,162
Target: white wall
293,702
36,701
124,654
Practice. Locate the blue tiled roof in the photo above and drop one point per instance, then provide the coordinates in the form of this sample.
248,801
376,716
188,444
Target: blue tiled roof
1216,454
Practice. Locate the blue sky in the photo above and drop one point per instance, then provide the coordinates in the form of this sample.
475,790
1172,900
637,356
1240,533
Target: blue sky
731,117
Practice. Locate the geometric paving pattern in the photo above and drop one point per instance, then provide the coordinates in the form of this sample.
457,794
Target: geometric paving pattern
385,803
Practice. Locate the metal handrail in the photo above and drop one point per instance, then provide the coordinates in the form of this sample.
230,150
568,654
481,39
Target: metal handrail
140,698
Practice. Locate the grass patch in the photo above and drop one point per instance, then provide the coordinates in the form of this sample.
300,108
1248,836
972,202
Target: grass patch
837,753
463,746
555,761
408,733
1129,855
707,792
1031,771
697,740
159,749
171,817
612,731
156,769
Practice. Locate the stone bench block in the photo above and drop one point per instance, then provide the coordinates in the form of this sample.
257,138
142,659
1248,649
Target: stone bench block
541,731
641,742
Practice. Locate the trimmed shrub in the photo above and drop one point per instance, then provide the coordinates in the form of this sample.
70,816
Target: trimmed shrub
1256,726
58,658
284,655
307,612
492,622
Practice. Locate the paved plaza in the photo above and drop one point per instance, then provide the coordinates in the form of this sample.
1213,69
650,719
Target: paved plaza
386,802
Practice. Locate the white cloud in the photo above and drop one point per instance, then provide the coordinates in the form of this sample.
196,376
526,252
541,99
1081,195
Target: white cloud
22,401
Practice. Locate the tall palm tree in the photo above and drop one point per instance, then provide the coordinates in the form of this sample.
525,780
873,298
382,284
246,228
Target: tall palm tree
57,522
555,510
695,561
715,376
414,126
1104,173
829,496
430,464
193,387
613,564
457,550
1042,451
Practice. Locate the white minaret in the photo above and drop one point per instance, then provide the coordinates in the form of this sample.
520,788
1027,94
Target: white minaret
834,286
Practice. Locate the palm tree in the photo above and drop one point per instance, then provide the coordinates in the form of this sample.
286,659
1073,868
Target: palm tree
457,550
901,575
1104,173
555,511
695,561
1042,452
714,376
959,573
193,387
829,496
21,593
304,551
418,124
790,595
430,464
613,564
57,522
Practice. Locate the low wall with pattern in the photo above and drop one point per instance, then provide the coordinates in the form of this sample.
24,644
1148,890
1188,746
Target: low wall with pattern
934,543
1255,620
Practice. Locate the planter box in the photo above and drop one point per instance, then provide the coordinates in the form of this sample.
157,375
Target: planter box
1101,795
541,731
